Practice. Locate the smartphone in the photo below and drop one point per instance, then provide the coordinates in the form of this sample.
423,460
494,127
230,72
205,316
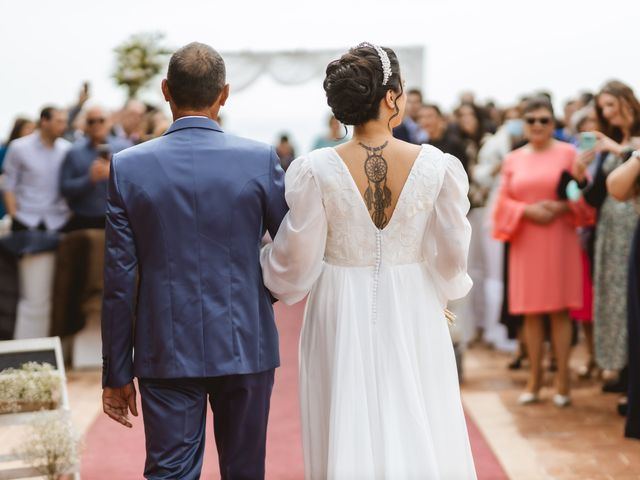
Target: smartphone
104,151
587,141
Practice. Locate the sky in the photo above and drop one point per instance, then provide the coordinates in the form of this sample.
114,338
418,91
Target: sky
498,49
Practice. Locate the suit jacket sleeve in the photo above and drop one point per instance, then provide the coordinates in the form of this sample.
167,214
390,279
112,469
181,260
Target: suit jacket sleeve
276,205
119,288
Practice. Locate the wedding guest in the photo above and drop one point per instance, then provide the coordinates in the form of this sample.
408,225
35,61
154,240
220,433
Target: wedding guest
567,134
485,114
21,128
85,171
470,120
441,135
157,123
130,121
486,175
410,130
558,133
32,196
336,135
496,147
285,151
623,184
472,311
74,126
618,113
467,97
495,116
585,98
545,271
584,120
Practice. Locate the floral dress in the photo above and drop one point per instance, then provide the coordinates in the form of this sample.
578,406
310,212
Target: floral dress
614,232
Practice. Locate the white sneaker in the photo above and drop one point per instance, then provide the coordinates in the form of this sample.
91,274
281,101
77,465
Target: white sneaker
528,398
561,401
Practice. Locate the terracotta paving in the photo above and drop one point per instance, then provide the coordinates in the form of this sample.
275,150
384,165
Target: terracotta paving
540,441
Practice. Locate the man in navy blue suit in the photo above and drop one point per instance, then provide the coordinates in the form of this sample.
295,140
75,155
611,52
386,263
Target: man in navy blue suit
185,309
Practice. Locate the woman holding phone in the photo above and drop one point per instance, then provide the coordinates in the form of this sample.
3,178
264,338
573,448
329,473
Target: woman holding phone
545,268
584,124
618,113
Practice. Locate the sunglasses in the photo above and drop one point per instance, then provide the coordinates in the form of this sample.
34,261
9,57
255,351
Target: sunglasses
93,121
540,120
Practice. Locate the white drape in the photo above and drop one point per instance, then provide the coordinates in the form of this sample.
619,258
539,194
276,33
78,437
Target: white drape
297,67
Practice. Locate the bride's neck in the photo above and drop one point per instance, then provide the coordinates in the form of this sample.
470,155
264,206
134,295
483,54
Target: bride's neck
372,132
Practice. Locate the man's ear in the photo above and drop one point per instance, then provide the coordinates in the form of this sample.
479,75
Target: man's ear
224,95
165,90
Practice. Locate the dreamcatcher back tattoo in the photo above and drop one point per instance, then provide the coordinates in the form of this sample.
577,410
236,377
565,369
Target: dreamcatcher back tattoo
377,196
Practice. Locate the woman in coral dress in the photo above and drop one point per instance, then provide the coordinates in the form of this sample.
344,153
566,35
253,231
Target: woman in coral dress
545,267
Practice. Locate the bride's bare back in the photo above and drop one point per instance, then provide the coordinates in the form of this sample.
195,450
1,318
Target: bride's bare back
380,173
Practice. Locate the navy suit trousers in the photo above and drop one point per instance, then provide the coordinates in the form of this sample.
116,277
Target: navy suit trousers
175,412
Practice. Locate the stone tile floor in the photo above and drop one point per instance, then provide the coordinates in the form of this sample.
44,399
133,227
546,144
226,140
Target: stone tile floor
540,441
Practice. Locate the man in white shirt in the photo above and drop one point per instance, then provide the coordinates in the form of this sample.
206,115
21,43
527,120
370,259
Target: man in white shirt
33,200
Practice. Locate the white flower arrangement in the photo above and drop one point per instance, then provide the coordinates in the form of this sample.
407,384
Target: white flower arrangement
139,60
34,386
52,446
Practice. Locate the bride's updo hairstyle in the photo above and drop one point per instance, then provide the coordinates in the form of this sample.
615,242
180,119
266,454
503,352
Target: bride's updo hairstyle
354,84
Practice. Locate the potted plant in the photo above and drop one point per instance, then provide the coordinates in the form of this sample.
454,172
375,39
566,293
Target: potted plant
52,446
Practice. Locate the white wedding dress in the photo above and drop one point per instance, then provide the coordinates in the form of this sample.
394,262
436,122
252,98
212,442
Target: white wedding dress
379,391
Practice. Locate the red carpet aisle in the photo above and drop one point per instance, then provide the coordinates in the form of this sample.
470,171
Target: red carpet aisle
113,452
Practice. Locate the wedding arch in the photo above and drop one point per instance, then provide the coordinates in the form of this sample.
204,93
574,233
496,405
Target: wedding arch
295,67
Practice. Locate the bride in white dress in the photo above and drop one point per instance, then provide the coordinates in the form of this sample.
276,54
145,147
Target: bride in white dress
377,235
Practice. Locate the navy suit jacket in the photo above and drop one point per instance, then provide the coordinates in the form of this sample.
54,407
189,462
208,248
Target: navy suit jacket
184,295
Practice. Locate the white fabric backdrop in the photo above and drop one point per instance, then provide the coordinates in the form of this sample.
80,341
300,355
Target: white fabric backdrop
297,67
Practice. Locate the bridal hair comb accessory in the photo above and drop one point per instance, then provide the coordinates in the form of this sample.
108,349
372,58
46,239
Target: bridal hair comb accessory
384,59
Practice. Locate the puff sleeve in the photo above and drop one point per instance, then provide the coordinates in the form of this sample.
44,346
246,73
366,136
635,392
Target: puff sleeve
447,248
293,262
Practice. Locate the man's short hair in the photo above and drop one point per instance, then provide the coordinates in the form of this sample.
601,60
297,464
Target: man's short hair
536,103
47,112
415,91
196,76
433,107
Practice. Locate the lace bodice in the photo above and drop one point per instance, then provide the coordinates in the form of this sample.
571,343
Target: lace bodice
328,222
352,237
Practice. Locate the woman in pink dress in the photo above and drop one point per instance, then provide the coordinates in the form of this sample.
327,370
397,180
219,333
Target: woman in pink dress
545,267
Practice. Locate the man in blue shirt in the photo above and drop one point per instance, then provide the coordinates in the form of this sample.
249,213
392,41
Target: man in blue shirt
85,171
